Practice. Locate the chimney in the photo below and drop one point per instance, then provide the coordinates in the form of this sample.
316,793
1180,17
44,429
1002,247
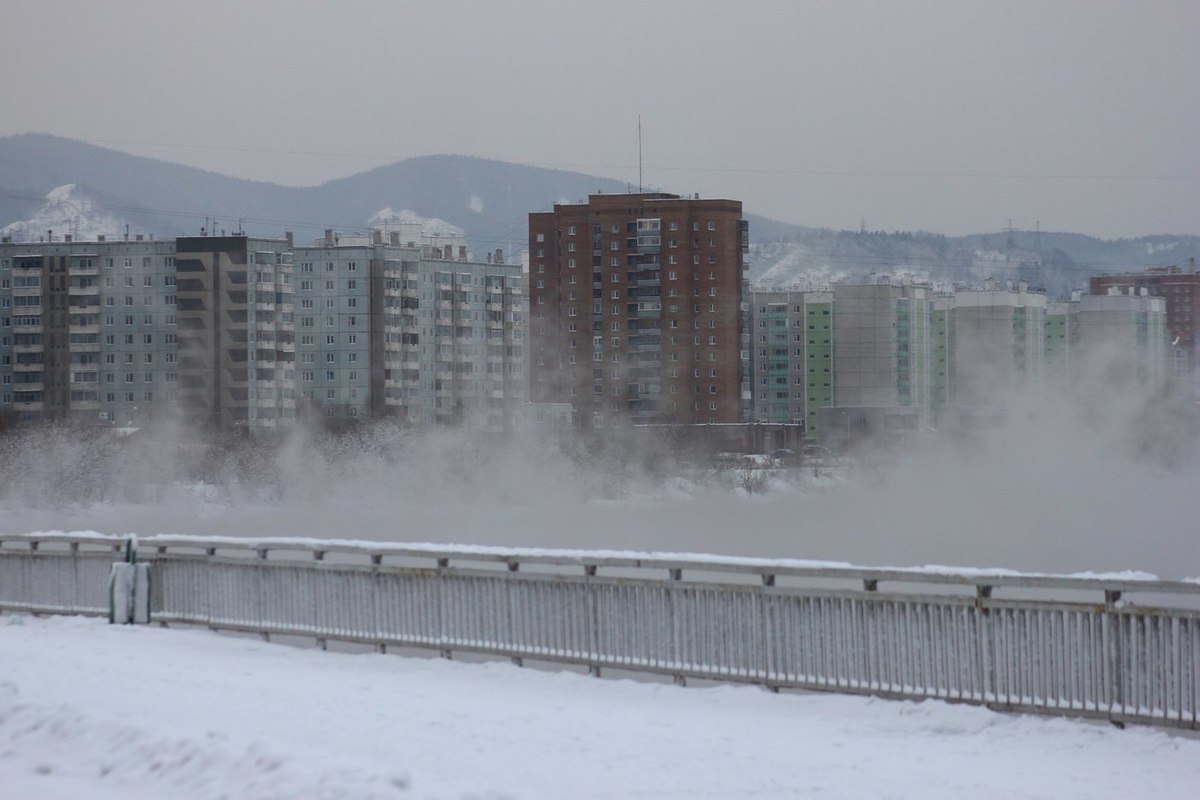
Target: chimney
394,238
499,256
329,237
140,237
462,252
67,238
1022,286
376,236
100,238
290,239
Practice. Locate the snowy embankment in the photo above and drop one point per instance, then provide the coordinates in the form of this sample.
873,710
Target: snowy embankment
98,711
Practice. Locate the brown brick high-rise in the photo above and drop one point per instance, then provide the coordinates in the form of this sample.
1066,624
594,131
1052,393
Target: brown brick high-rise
636,309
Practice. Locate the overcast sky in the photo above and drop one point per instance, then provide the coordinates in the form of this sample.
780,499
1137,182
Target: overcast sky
946,116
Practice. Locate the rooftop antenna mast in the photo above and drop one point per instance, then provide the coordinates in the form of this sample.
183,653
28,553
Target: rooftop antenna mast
639,153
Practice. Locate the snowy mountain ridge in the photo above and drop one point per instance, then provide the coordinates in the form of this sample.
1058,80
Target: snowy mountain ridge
67,211
429,226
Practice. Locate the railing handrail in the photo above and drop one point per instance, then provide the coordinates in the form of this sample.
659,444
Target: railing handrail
983,580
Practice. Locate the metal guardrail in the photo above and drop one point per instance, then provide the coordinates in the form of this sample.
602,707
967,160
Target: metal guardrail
1064,645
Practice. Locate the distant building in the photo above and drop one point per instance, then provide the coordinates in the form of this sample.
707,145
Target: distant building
636,309
1058,341
1181,292
777,354
241,333
417,333
997,342
1126,333
237,334
87,329
879,346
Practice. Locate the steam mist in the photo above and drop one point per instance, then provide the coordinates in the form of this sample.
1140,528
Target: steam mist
1100,479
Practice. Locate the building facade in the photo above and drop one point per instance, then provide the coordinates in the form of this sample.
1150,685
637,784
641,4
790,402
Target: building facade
87,329
636,309
239,333
421,334
1180,291
777,344
1123,334
997,342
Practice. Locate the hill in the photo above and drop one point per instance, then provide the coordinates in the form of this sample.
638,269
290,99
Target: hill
490,200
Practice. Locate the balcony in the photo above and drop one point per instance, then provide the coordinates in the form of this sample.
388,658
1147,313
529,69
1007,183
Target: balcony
19,367
91,267
27,291
84,291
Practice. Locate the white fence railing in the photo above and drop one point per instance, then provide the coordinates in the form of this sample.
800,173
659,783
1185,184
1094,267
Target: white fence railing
1119,648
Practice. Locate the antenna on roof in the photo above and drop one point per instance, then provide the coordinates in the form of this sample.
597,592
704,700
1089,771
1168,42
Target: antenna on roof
639,153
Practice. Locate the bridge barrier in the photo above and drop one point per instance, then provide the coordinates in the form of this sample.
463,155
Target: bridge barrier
1124,648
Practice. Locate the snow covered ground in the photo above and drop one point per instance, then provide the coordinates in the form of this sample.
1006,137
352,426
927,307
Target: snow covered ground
89,710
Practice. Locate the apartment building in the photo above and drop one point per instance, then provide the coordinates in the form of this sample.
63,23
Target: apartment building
997,342
236,340
776,318
637,312
87,329
1180,291
242,333
1125,335
1058,341
420,333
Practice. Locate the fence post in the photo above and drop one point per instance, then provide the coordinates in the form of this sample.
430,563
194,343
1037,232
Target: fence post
129,588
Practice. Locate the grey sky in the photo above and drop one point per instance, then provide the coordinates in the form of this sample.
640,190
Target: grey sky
946,116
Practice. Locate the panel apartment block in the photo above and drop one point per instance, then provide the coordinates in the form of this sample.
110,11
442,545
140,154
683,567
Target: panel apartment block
1126,334
87,330
123,332
1181,292
636,309
236,335
777,342
997,343
421,334
881,346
